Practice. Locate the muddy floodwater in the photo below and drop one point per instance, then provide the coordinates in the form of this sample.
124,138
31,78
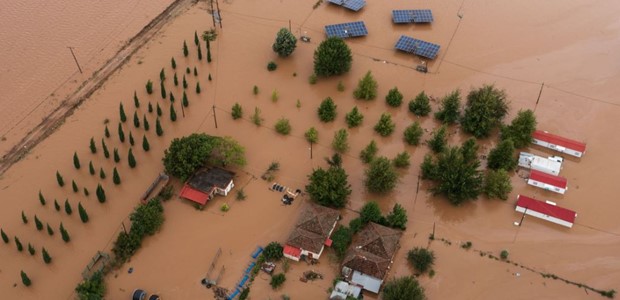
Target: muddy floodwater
555,57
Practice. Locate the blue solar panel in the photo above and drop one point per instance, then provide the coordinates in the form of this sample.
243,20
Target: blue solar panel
337,2
354,5
346,30
412,16
417,47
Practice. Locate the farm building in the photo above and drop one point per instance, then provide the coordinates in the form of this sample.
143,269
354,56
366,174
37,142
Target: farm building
558,143
551,165
206,183
370,256
311,233
344,290
548,182
546,210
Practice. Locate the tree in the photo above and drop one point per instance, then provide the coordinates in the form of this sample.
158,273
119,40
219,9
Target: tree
116,178
76,161
341,239
285,43
173,63
136,101
237,111
117,157
86,193
198,88
470,150
394,97
145,121
24,218
332,57
369,153
56,205
68,208
185,50
50,231
92,288
439,139
91,168
102,173
497,184
121,133
93,147
122,113
131,140
159,110
162,75
131,159
162,89
136,120
31,249
277,280
184,101
106,131
371,212
145,144
283,126
5,238
106,153
485,109
158,128
312,135
366,88
402,160
185,81
449,112
74,186
273,251
381,177
173,113
502,156
149,87
41,198
420,106
175,80
455,178
504,254
25,279
329,187
403,288
327,110
199,52
340,143
397,218
18,244
195,71
354,118
421,259
227,151
196,40
64,233
413,133
520,129
38,224
208,51
46,256
187,154
147,219
59,179
385,126
100,194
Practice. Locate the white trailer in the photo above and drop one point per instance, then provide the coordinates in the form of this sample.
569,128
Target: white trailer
551,165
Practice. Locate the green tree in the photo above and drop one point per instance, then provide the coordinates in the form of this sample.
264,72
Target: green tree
145,144
420,106
366,88
370,152
175,79
162,75
93,147
173,63
41,198
285,43
131,159
502,156
394,97
327,110
117,157
136,101
195,71
25,279
76,161
439,139
354,118
421,259
413,133
100,194
403,288
122,113
198,88
312,135
18,244
149,87
329,187
121,133
371,212
5,238
199,52
397,218
449,112
455,178
162,89
497,184
38,223
86,193
106,132
101,173
196,40
158,128
24,218
277,280
381,177
185,50
332,57
131,140
147,219
340,143
185,81
385,126
520,129
187,154
91,168
273,251
82,212
283,126
208,52
227,151
92,288
237,111
74,186
46,256
470,150
56,205
59,179
106,153
401,160
184,101
136,120
50,231
145,121
355,225
64,233
341,238
116,178
68,208
173,113
31,249
485,109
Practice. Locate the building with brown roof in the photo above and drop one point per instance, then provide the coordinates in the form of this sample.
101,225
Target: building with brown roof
206,183
370,256
311,233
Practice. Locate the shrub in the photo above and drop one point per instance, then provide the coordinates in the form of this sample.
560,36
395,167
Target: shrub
285,43
403,288
504,254
421,259
273,251
413,133
312,79
381,177
371,212
255,90
340,86
274,96
340,143
332,57
149,87
354,118
327,110
401,160
397,218
237,111
277,280
225,207
46,256
439,140
449,112
369,153
394,97
272,66
385,126
420,106
25,279
366,88
312,135
256,117
92,288
283,126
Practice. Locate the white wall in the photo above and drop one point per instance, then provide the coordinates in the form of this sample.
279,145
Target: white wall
548,187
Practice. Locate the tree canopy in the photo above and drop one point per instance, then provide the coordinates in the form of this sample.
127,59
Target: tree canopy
366,88
327,110
92,288
449,112
371,212
285,43
484,110
381,176
520,129
332,57
403,288
397,218
420,106
497,184
421,259
329,187
502,156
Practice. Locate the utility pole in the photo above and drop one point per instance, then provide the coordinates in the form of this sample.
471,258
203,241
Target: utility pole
74,58
310,150
183,110
219,13
539,93
289,26
212,13
214,117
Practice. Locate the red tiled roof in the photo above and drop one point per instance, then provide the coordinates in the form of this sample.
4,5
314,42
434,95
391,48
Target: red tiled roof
546,208
313,227
553,180
328,242
191,194
558,140
292,251
372,250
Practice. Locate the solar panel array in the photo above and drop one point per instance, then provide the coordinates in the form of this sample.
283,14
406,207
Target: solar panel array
354,5
412,16
417,47
346,30
337,2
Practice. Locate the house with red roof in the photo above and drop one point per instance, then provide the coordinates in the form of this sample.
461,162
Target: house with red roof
546,210
556,184
206,183
311,233
558,143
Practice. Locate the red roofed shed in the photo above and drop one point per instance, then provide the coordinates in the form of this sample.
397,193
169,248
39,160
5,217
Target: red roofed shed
549,182
194,195
558,143
546,211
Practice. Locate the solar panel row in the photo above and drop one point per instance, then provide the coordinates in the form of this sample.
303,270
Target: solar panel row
417,47
346,30
412,16
354,5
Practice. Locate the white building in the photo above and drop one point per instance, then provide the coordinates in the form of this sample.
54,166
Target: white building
546,210
548,182
343,290
551,165
558,143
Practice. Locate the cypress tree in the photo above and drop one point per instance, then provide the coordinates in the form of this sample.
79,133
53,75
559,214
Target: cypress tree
149,87
93,147
64,233
107,132
24,218
106,153
61,181
158,128
185,50
173,63
121,133
208,51
175,79
115,177
76,161
18,244
159,111
41,198
196,40
184,82
122,113
173,113
5,238
188,70
31,249
136,101
162,75
74,186
38,223
68,208
117,157
25,280
136,120
46,256
185,102
101,173
56,205
131,140
162,87
210,77
86,192
150,107
131,159
145,123
83,214
195,71
145,144
50,231
100,194
171,97
199,53
197,87
91,168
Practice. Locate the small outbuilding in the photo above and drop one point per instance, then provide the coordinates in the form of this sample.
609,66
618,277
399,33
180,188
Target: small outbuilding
546,210
343,290
556,184
551,165
206,183
311,233
558,143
